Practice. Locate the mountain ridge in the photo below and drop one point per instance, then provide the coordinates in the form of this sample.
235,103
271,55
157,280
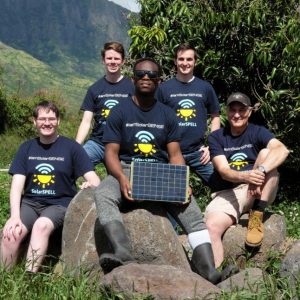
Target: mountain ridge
66,35
24,74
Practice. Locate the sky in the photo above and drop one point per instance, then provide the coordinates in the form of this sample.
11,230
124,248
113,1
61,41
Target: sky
129,4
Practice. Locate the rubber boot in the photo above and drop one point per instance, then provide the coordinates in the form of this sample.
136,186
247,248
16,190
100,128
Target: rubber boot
116,234
203,264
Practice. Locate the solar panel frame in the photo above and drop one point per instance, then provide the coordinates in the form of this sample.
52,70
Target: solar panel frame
159,182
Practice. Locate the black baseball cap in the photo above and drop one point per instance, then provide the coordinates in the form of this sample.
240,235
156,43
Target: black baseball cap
239,97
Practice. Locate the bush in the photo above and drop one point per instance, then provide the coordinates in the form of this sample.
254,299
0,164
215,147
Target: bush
18,112
248,46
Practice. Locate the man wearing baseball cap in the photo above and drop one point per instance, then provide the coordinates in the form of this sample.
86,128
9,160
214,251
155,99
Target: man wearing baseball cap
246,157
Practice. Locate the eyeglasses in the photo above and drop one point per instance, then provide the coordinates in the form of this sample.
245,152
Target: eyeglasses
50,120
241,111
139,74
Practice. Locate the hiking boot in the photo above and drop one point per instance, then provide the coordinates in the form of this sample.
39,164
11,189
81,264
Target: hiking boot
255,232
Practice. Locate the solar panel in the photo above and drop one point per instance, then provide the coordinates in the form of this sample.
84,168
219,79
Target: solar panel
159,182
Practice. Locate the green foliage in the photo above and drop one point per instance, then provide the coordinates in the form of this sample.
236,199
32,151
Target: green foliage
23,75
5,181
248,46
18,111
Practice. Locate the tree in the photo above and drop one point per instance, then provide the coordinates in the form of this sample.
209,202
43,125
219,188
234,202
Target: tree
249,46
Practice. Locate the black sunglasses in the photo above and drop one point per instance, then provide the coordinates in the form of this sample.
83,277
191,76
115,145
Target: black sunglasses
139,74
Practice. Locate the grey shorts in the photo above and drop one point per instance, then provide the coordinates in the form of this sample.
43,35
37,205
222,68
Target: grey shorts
31,210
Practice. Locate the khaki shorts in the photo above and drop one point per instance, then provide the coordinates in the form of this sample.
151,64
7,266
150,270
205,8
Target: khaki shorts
233,202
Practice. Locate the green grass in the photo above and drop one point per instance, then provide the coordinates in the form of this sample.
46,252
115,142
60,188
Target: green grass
25,75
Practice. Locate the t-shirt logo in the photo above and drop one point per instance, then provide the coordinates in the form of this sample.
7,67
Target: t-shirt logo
186,110
44,177
238,160
108,105
144,145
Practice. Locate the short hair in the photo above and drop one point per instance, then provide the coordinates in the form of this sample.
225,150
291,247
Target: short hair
140,60
183,47
118,47
46,105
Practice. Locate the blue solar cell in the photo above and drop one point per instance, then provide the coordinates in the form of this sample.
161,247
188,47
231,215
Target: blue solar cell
159,182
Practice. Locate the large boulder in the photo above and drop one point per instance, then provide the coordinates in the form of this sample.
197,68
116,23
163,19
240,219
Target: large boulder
153,239
249,279
274,239
161,282
290,266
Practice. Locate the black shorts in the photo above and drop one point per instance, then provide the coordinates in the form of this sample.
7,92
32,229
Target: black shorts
31,210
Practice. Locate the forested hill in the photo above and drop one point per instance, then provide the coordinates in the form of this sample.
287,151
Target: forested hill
60,31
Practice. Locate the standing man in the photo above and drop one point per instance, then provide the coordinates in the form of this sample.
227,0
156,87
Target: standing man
246,156
192,99
101,97
44,173
124,140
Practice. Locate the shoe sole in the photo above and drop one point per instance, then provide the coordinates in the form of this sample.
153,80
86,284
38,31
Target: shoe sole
109,262
253,245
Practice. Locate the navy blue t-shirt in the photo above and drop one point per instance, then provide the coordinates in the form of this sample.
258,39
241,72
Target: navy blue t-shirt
142,135
241,151
100,98
192,102
51,170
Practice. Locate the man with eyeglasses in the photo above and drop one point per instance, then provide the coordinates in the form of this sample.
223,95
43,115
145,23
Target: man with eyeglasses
246,156
142,114
44,173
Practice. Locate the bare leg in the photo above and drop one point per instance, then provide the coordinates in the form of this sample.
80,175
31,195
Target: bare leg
217,223
269,189
10,249
41,231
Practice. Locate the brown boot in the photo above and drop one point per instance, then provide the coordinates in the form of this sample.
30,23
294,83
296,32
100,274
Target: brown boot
255,232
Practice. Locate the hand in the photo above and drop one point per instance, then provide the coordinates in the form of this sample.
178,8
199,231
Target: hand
85,185
254,191
205,157
125,187
12,228
190,191
256,177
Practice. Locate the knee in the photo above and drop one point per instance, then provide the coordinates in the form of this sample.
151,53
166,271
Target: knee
262,154
43,226
12,243
213,227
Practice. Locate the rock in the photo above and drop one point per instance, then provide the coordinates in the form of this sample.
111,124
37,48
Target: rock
152,236
290,266
274,238
248,279
78,241
162,282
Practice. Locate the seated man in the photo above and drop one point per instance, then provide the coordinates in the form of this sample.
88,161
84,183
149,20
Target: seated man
246,157
143,114
44,173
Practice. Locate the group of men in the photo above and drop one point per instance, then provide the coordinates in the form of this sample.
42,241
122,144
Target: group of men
239,164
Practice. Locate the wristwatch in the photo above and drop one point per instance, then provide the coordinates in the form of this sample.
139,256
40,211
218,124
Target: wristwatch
262,169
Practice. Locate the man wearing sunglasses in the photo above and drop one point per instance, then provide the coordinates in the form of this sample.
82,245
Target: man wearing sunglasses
192,99
246,156
142,117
